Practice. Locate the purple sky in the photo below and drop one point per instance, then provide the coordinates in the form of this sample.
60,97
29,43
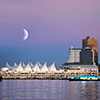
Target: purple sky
52,25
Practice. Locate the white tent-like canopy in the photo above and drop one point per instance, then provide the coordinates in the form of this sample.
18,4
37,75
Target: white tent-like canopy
52,68
40,66
36,68
7,67
44,68
32,66
15,64
24,65
28,68
19,68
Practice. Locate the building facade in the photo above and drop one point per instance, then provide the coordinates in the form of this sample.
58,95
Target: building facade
83,61
87,56
93,43
74,55
80,61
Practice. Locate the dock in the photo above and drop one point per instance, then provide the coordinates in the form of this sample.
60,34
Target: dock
34,76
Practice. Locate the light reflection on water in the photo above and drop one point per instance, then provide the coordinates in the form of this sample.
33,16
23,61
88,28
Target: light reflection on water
49,89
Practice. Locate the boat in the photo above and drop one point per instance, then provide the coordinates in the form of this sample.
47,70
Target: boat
84,78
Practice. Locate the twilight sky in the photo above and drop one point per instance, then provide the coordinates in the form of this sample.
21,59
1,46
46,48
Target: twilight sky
53,26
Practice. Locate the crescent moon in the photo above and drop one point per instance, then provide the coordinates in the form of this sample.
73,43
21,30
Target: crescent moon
25,34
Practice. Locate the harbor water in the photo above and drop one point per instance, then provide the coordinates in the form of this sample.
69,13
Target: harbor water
49,90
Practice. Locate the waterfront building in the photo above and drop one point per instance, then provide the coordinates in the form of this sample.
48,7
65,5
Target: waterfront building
30,68
84,64
93,43
87,56
81,56
74,55
80,68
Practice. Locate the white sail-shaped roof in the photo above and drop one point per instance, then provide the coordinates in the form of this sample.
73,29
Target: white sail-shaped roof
15,66
7,67
19,68
36,68
32,64
23,65
52,68
44,68
40,66
28,68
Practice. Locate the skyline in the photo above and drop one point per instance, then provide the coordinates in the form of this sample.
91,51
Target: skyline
53,27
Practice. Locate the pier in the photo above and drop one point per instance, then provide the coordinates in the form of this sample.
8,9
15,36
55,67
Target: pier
34,76
56,76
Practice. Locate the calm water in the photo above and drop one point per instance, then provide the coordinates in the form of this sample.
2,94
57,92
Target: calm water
49,90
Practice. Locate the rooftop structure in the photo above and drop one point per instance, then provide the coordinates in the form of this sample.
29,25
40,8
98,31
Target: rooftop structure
15,64
23,65
52,68
19,68
36,67
31,65
44,68
7,67
30,68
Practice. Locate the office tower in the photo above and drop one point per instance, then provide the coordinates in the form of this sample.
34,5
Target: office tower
87,56
93,44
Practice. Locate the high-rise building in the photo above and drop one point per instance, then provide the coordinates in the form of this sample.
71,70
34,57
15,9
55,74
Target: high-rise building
93,44
74,55
87,56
